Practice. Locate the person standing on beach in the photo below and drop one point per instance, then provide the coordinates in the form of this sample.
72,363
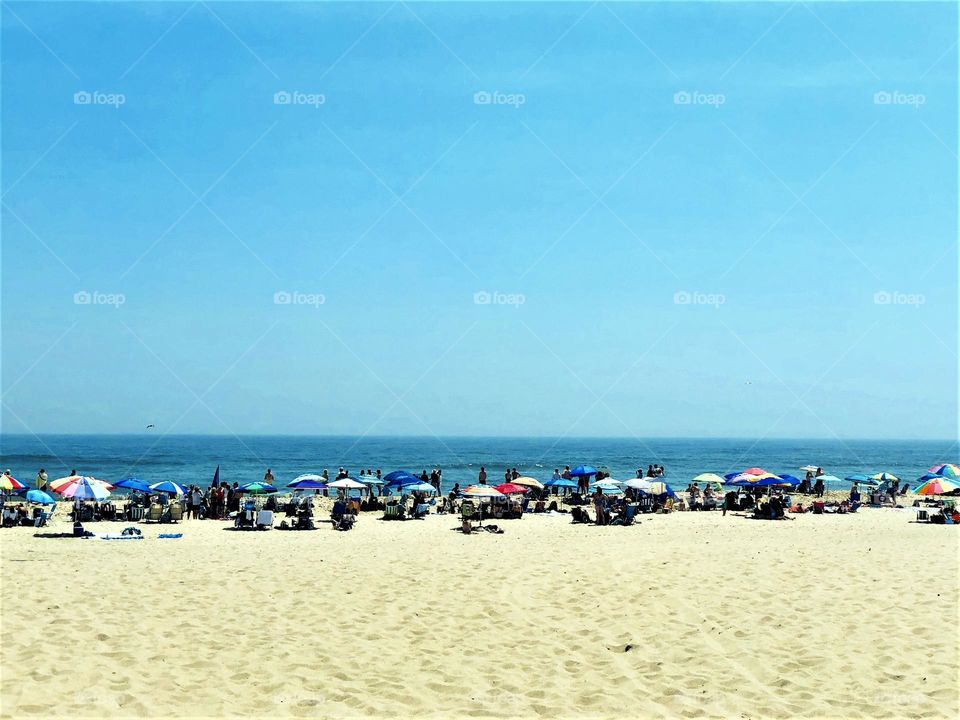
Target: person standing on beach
42,479
482,477
818,487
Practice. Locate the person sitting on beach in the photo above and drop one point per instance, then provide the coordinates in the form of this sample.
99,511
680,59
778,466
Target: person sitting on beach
730,501
855,494
693,497
709,501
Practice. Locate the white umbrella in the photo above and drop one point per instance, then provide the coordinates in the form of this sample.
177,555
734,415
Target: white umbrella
347,484
309,476
638,484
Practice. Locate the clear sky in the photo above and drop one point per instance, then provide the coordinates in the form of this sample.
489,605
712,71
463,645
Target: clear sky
689,219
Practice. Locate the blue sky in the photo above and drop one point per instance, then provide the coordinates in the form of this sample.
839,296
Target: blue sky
776,257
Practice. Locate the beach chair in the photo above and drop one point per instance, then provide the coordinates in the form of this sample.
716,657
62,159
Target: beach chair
421,511
340,518
155,513
469,513
175,513
44,517
629,514
393,511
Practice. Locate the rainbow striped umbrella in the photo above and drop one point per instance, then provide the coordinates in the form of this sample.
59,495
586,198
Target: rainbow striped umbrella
61,485
86,489
8,482
946,470
939,486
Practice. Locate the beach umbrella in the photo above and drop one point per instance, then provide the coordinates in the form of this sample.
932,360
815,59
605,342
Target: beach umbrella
132,483
371,480
789,479
8,482
169,487
756,471
946,470
829,479
40,497
481,491
810,468
746,478
730,476
419,487
583,470
639,484
884,477
860,478
710,479
608,484
86,489
63,484
256,488
347,484
528,482
400,477
939,486
308,482
660,488
308,476
512,488
561,482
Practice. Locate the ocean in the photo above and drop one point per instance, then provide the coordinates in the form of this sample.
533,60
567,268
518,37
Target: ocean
190,459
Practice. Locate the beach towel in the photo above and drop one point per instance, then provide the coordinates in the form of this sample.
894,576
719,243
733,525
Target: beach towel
170,536
115,536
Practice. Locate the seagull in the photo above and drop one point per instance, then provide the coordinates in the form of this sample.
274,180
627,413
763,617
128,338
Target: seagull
150,426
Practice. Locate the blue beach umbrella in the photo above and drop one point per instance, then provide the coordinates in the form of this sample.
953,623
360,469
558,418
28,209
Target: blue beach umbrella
419,486
786,477
561,482
308,484
399,478
583,470
133,483
731,476
40,497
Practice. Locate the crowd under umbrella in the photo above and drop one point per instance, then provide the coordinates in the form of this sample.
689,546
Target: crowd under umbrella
945,470
169,487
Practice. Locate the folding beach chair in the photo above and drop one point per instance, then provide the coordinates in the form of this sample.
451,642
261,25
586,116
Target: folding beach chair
44,517
469,514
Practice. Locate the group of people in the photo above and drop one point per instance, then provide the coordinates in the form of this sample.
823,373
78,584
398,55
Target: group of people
812,483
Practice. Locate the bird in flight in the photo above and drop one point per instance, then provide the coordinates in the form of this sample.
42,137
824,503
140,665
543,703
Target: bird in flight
150,426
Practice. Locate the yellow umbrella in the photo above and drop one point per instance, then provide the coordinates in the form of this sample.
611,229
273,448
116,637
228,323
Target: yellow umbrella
528,482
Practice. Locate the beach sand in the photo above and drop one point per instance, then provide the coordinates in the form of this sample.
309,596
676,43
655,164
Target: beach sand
683,615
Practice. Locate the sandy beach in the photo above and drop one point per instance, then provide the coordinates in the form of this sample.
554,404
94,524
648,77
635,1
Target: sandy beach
683,615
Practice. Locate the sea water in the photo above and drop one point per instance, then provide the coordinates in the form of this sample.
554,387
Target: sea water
193,459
